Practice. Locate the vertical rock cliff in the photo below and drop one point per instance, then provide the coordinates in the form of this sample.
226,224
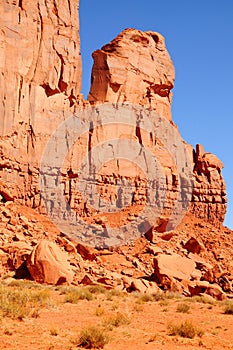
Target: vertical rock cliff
135,67
40,82
40,79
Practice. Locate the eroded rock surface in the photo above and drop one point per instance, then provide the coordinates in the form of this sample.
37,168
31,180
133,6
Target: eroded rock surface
40,80
135,67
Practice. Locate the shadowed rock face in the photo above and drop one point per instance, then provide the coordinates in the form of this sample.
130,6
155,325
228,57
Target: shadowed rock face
40,81
134,67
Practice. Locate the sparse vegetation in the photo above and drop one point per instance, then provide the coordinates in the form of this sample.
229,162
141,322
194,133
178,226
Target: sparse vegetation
53,331
98,289
99,311
228,309
75,294
204,299
183,308
144,298
186,330
19,302
116,320
93,338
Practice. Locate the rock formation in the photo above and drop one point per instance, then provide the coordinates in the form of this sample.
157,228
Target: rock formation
135,67
40,82
40,79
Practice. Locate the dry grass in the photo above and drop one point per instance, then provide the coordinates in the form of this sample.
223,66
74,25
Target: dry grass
186,330
73,295
99,311
116,321
228,309
93,338
20,302
183,308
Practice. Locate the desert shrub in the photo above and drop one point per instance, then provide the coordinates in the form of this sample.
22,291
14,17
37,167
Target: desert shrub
186,330
158,296
53,332
228,309
97,289
116,320
144,298
99,311
19,302
204,299
115,293
93,338
172,295
184,308
75,294
24,284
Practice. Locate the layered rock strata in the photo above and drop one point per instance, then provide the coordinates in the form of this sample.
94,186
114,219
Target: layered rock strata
40,79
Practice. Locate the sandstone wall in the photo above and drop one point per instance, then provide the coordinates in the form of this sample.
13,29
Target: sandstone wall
40,79
135,67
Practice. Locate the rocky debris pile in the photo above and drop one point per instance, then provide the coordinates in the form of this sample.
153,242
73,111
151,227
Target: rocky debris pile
195,259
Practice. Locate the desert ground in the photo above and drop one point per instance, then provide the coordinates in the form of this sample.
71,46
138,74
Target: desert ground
34,316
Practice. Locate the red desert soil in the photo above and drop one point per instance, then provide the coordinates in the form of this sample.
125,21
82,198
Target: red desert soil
58,326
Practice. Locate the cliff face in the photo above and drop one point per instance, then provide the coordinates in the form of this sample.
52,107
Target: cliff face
135,67
40,79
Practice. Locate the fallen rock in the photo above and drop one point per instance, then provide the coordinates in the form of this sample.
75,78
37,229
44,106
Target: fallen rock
193,246
87,253
215,291
47,263
202,264
175,266
5,193
154,250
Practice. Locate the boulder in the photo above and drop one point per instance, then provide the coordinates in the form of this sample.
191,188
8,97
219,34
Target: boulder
87,253
193,246
47,263
173,266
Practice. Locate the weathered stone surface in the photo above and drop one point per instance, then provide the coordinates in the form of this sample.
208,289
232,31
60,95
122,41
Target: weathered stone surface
175,266
40,79
87,253
48,264
209,191
134,67
193,246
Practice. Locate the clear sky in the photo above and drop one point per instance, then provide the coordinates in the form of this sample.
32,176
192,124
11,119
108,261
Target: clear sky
199,38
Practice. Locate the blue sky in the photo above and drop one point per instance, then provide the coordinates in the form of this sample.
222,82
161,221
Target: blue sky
199,38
